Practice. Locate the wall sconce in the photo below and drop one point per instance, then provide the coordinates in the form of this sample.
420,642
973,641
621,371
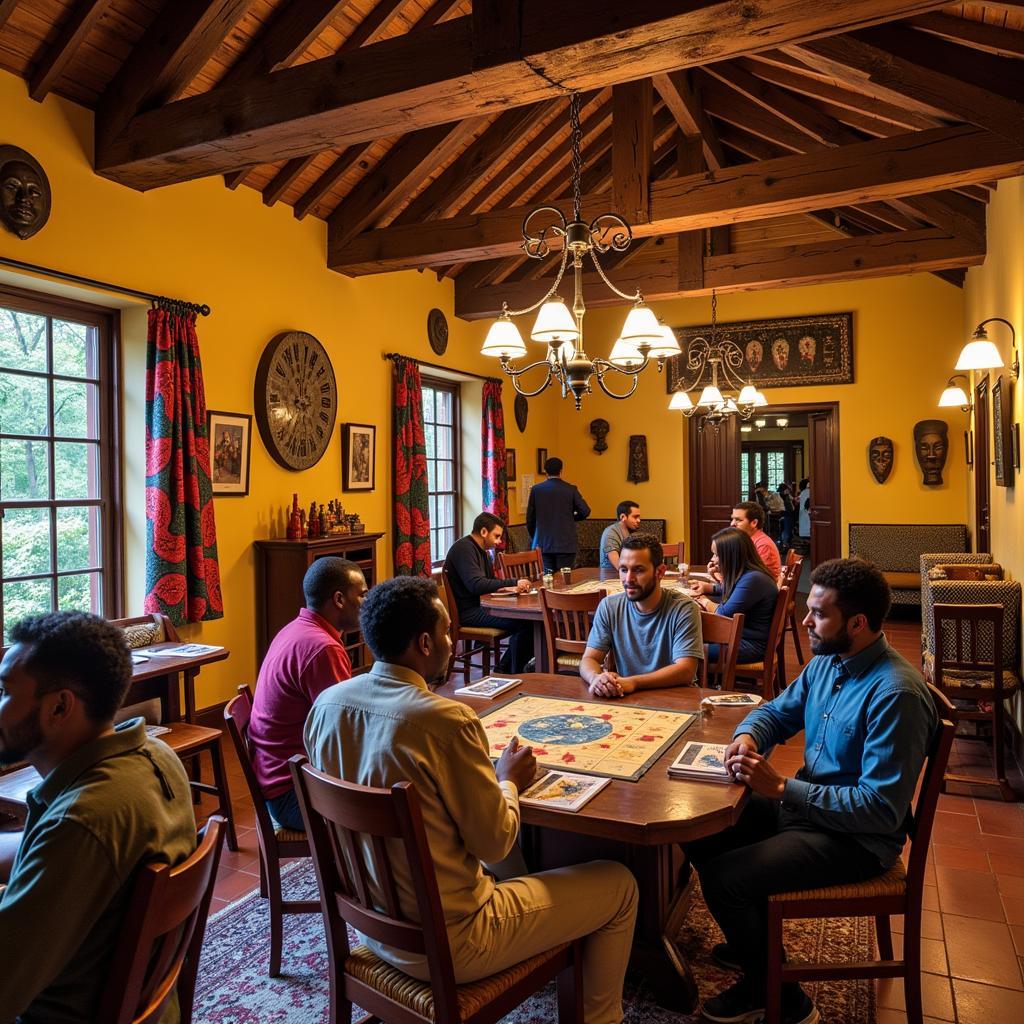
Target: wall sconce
981,354
782,422
956,395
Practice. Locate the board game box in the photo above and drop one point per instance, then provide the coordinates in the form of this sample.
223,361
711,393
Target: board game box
620,741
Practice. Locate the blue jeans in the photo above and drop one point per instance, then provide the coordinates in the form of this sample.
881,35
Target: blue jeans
284,809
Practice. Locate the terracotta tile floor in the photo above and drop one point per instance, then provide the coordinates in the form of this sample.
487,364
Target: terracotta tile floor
973,926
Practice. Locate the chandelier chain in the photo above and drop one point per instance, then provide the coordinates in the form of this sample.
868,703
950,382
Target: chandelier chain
576,134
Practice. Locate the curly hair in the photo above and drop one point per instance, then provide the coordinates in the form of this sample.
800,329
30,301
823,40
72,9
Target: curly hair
397,611
79,652
860,588
645,542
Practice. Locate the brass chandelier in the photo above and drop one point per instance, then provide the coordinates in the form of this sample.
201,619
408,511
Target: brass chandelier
566,363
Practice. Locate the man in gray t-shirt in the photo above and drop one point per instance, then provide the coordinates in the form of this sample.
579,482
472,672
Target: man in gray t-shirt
628,522
654,634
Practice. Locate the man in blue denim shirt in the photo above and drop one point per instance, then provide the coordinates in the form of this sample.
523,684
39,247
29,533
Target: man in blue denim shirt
868,719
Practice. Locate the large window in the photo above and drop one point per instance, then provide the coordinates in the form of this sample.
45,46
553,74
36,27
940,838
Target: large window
441,427
774,462
59,509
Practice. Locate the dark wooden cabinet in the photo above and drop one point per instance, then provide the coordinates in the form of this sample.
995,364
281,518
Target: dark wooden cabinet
280,566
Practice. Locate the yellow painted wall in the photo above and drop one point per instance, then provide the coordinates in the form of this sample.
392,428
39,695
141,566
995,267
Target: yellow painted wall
907,333
996,288
263,272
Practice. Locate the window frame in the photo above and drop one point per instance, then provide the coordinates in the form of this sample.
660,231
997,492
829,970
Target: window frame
453,388
110,502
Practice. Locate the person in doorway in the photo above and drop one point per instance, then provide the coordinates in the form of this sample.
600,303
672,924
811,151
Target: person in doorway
804,508
628,513
552,512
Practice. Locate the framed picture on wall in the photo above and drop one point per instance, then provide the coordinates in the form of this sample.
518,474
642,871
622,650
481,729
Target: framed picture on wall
358,457
542,457
969,446
510,466
1001,433
1015,436
230,436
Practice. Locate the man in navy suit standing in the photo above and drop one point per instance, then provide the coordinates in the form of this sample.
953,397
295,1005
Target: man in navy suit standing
551,516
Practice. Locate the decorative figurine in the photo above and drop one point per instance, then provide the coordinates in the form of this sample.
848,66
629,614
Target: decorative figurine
599,431
314,522
24,192
295,520
931,446
880,457
637,471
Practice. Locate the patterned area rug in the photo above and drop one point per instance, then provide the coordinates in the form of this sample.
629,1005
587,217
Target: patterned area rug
233,987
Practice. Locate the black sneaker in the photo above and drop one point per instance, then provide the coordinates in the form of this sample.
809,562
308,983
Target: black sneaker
724,955
736,1005
798,1007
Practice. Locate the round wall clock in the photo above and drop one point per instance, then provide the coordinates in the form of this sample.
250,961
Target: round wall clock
296,399
437,331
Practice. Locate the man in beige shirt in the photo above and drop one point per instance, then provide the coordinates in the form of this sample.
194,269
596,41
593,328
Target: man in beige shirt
388,726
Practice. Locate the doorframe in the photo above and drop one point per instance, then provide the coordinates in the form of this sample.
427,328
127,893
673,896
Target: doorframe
830,408
982,399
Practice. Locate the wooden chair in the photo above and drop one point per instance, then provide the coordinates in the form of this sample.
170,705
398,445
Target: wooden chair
726,632
274,843
675,553
162,933
765,675
524,565
350,829
968,665
791,577
567,622
482,640
899,891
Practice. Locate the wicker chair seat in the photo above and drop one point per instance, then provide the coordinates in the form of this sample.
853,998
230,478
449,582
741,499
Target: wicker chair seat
142,635
289,835
569,660
892,883
417,996
954,679
484,632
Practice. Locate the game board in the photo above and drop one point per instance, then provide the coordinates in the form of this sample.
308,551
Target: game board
620,741
614,586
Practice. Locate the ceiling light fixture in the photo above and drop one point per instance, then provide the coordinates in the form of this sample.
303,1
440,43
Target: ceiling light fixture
567,363
781,421
981,354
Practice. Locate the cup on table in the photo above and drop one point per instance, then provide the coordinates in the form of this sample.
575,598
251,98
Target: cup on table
684,574
566,576
548,580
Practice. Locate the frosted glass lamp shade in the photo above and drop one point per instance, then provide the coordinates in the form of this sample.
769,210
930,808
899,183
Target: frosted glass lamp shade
979,354
667,345
782,422
555,323
625,355
953,396
729,406
747,396
504,340
641,327
760,424
759,399
680,400
746,430
711,396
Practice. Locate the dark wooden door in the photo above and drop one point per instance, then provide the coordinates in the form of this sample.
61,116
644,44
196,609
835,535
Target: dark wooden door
823,431
714,483
982,506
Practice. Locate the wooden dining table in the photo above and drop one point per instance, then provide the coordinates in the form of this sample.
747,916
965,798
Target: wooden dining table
637,823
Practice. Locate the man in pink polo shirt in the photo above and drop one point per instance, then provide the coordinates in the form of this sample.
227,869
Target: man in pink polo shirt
748,516
305,658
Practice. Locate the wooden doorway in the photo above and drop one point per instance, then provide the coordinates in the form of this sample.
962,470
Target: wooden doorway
715,478
982,505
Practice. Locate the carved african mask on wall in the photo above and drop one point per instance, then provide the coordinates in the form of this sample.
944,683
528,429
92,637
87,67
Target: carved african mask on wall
880,456
931,445
599,429
24,192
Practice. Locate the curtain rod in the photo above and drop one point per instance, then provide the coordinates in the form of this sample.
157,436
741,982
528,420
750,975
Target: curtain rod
61,275
437,366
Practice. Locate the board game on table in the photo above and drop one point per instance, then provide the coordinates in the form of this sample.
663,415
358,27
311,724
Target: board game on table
620,741
614,585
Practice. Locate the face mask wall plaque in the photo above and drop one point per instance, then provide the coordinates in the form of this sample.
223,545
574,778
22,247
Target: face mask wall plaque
599,431
24,192
931,445
880,456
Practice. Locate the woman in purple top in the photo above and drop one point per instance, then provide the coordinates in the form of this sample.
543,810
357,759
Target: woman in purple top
747,587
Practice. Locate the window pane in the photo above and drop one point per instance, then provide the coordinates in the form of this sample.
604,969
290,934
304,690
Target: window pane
428,434
80,593
428,405
22,340
30,597
78,538
75,409
432,504
444,476
24,470
26,537
444,407
448,538
444,442
76,468
74,350
445,510
23,404
431,475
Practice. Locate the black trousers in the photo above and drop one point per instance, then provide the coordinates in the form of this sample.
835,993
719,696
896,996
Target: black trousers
520,647
558,560
764,853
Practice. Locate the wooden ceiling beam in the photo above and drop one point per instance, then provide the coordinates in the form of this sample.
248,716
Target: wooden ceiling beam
400,172
55,58
690,244
632,149
678,94
170,54
6,10
432,77
235,178
286,177
879,169
995,39
343,162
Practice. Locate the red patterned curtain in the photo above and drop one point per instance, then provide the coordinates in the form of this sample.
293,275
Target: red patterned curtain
182,574
492,445
412,510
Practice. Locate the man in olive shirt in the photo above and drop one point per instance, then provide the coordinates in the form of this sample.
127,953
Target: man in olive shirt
111,800
388,726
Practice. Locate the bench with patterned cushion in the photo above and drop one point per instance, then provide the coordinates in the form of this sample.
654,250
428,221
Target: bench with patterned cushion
928,563
896,549
588,538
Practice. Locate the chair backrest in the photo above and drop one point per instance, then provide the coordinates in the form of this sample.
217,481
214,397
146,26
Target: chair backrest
726,632
968,637
236,719
354,831
675,552
971,572
1006,593
790,556
161,935
524,565
447,595
567,621
790,578
775,638
922,815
